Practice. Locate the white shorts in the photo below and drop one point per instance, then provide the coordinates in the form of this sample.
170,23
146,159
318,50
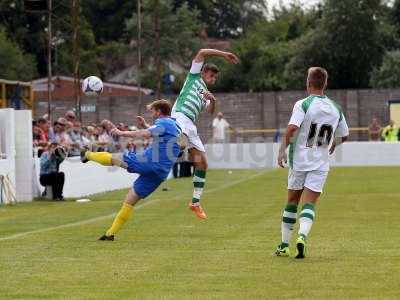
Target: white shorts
313,180
189,130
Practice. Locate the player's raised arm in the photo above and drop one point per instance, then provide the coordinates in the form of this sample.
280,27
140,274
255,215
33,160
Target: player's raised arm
211,101
145,133
204,53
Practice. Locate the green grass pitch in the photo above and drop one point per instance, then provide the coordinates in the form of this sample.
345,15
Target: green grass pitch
49,250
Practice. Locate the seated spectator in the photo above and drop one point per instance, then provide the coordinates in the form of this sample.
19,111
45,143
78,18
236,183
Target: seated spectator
49,170
60,135
374,130
43,141
105,141
74,132
35,134
91,134
85,137
390,132
70,116
44,126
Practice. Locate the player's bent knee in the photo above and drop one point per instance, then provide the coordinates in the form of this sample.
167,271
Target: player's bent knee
132,197
117,160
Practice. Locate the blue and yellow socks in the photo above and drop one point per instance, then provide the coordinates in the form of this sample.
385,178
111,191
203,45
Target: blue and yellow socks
121,218
103,158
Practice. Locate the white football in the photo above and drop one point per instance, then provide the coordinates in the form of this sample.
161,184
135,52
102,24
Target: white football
92,86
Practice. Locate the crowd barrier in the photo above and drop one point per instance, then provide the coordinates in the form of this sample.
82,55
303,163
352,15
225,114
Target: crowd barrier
264,155
90,178
85,179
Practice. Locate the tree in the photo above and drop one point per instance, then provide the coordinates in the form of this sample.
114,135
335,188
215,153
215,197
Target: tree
396,14
347,41
14,63
388,74
107,18
179,39
264,50
226,19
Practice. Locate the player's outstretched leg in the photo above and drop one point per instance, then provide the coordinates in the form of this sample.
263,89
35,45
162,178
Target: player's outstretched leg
103,158
288,222
306,220
122,217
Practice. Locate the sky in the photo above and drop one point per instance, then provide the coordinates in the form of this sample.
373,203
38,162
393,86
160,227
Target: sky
306,3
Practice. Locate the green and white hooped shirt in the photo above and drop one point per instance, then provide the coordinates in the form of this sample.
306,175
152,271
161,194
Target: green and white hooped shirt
190,101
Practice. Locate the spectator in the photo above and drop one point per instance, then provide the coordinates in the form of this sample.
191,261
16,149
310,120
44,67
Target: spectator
91,134
374,130
220,127
390,132
85,137
104,139
60,135
44,126
70,116
49,170
35,134
75,135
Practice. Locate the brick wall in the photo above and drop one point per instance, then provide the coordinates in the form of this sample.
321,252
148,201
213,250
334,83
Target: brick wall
242,110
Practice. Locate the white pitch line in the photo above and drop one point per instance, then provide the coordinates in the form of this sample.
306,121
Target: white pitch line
100,218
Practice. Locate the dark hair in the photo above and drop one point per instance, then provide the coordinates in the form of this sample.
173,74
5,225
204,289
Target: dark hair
164,106
41,121
210,67
317,77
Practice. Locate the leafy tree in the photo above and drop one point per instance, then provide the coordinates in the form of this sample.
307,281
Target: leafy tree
14,63
347,41
264,50
107,18
226,19
178,35
388,74
396,14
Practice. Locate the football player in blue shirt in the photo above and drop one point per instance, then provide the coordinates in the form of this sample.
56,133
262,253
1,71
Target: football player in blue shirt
153,165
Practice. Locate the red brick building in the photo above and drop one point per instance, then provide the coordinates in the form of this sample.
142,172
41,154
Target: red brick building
63,88
117,101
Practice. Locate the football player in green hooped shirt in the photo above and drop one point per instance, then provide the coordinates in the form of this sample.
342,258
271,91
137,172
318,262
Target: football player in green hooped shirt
192,100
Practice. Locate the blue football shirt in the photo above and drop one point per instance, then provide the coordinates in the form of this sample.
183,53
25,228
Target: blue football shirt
164,150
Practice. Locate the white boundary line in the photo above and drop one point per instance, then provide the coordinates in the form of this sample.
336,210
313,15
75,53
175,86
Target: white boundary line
100,218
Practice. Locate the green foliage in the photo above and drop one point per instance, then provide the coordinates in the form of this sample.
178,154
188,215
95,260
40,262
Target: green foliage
348,37
178,35
346,42
264,50
14,63
226,19
107,18
388,74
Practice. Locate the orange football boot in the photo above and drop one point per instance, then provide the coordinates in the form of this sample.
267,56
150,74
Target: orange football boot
198,210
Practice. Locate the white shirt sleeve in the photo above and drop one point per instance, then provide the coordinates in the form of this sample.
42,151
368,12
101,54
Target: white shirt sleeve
342,130
297,115
214,123
196,67
226,124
